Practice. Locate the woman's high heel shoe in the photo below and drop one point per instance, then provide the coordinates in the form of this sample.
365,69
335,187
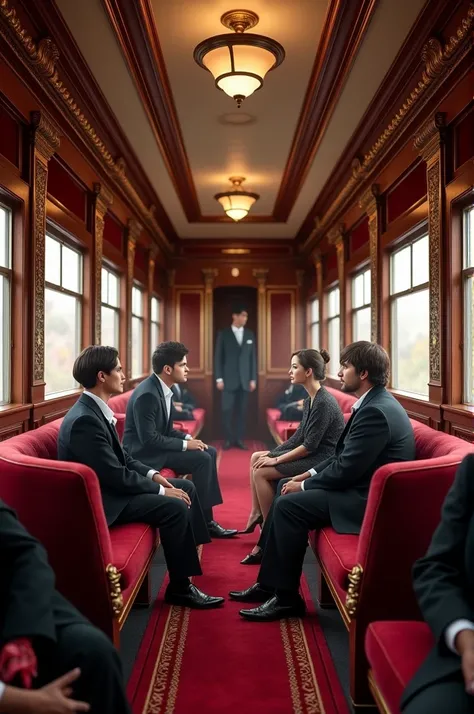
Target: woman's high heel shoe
252,525
253,558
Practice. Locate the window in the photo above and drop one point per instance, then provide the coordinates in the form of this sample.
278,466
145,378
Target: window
137,331
468,281
334,330
314,323
5,309
361,306
62,314
410,306
155,323
110,312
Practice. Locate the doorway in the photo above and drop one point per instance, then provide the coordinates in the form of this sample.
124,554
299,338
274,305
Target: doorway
224,299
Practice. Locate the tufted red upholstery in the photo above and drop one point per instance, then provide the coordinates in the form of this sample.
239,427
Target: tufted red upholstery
397,529
282,430
60,503
395,651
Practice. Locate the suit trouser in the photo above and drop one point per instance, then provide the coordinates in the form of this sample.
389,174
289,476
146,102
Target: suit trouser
80,644
448,695
234,403
174,519
285,536
202,465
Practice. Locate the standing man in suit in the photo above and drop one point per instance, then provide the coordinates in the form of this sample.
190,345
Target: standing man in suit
131,491
236,374
149,434
378,432
444,585
45,642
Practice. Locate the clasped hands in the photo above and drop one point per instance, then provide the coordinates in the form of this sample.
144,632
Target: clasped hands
171,491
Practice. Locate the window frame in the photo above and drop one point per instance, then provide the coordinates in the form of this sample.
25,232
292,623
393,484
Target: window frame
365,305
159,323
64,239
312,323
467,274
7,332
117,309
139,286
406,241
328,321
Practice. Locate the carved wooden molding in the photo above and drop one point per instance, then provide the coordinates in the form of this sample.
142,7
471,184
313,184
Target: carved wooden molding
318,266
45,138
261,275
429,139
439,61
369,202
41,60
171,275
300,276
103,200
209,275
152,255
435,232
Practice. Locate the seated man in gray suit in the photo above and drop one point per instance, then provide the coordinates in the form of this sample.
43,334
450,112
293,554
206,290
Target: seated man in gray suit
379,432
133,492
150,437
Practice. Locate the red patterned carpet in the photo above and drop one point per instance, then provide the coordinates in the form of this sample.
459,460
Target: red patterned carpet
215,662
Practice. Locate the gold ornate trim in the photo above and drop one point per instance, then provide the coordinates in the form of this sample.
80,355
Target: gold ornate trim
114,589
209,275
103,199
41,59
438,61
305,693
434,218
46,134
261,275
369,203
352,597
428,140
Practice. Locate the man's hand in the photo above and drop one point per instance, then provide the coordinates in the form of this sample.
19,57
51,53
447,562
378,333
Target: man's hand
291,487
52,699
253,386
178,493
464,643
300,403
158,478
220,386
196,445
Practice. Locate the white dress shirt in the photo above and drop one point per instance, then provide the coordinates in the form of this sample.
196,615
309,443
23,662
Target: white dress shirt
109,416
2,689
168,394
453,630
355,407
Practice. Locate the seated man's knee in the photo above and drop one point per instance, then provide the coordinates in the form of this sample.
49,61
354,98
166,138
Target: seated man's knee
212,451
87,645
188,486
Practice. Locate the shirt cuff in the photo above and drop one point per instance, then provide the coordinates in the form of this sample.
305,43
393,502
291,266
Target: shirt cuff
162,490
2,689
313,472
188,437
219,380
302,485
185,444
453,630
151,473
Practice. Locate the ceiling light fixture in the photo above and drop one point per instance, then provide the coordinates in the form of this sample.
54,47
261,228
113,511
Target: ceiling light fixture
239,62
237,203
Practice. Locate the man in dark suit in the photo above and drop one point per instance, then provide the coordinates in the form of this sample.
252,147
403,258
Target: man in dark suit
444,585
235,365
378,432
149,434
183,403
131,491
290,403
43,637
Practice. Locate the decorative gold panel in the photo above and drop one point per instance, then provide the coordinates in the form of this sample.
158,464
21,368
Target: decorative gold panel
103,199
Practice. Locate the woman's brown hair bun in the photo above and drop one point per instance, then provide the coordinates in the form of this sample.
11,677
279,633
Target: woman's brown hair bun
325,355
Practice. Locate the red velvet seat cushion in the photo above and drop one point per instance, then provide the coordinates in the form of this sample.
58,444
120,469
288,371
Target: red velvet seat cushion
338,552
119,403
395,651
282,428
131,547
199,415
344,400
40,443
273,415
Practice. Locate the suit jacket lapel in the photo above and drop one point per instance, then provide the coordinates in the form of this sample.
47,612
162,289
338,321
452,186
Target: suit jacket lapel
161,396
373,393
88,402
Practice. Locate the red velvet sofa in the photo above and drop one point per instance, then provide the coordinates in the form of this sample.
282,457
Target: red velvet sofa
119,403
102,571
368,576
395,651
282,430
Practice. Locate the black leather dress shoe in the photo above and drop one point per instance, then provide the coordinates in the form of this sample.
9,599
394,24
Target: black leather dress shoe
227,445
192,597
255,593
216,531
241,445
273,609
